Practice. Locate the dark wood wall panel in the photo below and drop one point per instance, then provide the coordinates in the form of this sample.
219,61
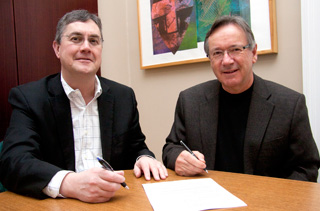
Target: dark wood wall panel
36,22
8,65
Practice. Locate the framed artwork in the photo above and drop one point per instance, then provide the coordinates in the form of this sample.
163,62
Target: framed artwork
172,32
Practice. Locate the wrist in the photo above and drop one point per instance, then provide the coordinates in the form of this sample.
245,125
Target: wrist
67,188
144,156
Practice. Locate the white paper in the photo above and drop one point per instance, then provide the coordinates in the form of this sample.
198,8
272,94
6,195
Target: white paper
193,194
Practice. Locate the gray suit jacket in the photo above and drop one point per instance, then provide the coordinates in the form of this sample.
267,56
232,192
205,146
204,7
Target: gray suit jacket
278,140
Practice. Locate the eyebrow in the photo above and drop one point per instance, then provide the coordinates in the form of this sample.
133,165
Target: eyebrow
231,46
78,33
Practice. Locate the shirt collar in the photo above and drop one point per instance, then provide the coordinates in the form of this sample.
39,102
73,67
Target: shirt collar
68,90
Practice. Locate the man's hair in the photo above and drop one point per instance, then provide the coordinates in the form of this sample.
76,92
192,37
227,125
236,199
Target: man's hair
226,20
74,16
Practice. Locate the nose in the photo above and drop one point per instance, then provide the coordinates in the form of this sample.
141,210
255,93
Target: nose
227,59
85,46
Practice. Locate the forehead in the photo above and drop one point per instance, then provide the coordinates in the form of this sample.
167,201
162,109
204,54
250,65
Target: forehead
89,27
227,35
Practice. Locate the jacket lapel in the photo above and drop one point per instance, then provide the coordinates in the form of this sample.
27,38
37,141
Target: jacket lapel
209,124
258,119
62,113
105,107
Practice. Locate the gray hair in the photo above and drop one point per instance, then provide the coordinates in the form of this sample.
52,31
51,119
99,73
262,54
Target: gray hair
74,16
226,20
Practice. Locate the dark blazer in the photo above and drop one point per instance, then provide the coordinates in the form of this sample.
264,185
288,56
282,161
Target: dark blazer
39,141
278,139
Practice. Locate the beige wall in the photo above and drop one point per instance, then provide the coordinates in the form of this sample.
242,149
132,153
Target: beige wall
157,89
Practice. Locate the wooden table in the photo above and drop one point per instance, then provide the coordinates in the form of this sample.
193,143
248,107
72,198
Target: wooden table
259,193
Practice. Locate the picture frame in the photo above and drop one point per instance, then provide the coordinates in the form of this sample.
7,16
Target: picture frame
263,24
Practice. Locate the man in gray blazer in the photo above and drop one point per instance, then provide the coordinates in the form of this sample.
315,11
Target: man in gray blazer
240,122
60,124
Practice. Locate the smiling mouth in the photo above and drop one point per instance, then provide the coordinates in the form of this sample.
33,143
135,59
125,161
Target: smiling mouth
230,72
84,59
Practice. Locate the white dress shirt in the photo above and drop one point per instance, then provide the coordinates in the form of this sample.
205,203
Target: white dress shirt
86,133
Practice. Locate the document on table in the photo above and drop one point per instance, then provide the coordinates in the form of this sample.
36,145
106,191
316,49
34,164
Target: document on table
192,194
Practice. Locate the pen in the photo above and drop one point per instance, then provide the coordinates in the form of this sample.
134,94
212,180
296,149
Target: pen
187,148
107,166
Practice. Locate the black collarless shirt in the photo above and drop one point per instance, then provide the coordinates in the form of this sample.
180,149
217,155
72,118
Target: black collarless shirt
232,122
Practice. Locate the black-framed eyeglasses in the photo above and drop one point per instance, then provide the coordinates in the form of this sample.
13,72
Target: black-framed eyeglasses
233,52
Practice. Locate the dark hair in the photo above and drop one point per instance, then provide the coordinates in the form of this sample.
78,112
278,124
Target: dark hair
226,20
73,16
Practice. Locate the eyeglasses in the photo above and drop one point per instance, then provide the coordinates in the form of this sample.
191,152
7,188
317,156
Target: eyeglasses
78,39
233,52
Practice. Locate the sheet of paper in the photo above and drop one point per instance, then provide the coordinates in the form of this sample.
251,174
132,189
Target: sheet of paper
192,194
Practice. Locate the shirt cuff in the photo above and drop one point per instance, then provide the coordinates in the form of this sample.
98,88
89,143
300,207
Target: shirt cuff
144,156
53,187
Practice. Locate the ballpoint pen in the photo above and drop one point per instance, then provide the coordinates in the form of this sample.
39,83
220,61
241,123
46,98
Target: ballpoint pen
107,166
187,148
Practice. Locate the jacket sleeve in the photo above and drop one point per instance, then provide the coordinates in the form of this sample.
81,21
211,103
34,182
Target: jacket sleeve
22,169
128,141
172,148
303,161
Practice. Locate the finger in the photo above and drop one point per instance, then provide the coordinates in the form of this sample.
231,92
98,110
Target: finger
199,155
101,195
119,172
143,166
188,165
93,187
95,199
194,162
101,199
163,171
110,184
137,171
155,171
115,177
108,189
146,170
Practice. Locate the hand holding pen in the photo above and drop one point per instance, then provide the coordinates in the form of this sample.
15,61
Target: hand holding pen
107,166
187,148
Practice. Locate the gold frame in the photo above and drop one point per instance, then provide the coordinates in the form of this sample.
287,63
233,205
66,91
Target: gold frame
146,57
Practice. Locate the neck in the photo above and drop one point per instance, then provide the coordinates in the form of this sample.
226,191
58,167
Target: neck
85,83
87,92
247,83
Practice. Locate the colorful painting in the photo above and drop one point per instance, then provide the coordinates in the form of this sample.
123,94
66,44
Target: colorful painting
210,10
172,32
180,24
170,21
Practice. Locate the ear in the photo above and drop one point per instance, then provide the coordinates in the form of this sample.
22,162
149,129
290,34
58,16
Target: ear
255,54
56,48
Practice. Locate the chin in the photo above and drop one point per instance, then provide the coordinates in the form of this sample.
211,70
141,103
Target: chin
231,82
86,70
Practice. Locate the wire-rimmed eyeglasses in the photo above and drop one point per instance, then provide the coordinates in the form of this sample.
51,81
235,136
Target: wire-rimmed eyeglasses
233,52
78,39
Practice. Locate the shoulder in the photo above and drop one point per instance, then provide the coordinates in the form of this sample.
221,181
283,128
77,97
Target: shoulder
39,87
276,93
207,88
274,89
202,87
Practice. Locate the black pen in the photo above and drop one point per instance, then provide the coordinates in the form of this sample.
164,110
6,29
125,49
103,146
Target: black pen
107,166
187,148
